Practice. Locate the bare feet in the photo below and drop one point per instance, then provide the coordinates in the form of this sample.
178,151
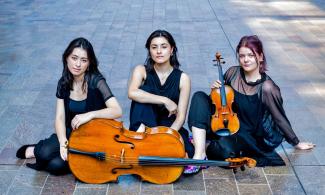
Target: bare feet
142,128
30,152
200,156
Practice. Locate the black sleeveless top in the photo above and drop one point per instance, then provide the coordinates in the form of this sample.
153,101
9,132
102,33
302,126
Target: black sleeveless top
169,89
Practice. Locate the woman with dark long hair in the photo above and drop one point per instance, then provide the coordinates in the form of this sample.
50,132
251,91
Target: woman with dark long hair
258,103
159,90
82,95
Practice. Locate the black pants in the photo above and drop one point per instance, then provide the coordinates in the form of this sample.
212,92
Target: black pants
236,145
200,113
152,115
48,158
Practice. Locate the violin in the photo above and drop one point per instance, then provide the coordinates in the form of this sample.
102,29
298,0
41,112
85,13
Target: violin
224,121
102,150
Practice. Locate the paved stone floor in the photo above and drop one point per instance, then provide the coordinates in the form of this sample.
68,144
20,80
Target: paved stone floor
34,33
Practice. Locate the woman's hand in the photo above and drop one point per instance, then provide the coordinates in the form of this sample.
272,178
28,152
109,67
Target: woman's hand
216,85
305,146
64,153
170,106
80,119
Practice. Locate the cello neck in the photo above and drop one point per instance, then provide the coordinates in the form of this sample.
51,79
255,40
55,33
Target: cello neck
154,160
229,162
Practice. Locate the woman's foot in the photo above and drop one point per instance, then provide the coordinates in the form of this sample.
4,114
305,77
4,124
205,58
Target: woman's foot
193,169
141,128
26,151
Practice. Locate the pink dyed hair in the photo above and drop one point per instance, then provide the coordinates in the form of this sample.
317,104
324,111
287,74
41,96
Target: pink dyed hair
255,44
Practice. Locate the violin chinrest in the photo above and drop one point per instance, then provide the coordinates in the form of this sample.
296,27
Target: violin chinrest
223,132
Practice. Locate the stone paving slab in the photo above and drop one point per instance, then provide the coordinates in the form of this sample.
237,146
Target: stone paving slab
34,34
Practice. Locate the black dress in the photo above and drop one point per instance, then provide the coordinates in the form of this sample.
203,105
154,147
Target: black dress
47,151
263,123
153,115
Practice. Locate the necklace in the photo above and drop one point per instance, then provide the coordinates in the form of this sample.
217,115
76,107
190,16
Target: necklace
163,76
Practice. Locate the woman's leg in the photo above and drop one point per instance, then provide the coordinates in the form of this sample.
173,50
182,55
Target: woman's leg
47,149
199,122
44,151
225,147
189,149
199,139
142,114
57,166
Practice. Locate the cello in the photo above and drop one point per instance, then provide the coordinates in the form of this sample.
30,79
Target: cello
102,150
224,121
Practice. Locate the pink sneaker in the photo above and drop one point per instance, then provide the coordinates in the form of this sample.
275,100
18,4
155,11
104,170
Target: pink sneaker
193,169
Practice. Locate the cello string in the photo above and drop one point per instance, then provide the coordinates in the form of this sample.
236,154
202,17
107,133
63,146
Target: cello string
135,161
179,162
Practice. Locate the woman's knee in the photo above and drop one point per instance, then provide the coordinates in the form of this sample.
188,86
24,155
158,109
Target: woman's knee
142,113
200,102
217,151
47,151
200,111
199,96
57,166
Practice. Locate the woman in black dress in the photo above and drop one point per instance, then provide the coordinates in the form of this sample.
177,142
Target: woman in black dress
258,103
82,95
159,90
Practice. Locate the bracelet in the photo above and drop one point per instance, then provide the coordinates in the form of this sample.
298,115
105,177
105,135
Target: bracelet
65,144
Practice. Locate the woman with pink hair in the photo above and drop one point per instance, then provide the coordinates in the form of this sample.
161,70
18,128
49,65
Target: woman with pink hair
258,104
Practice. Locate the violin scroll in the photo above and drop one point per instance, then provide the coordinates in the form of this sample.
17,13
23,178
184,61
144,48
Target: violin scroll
218,59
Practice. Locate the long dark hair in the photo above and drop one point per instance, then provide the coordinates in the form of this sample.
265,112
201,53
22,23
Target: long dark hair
93,62
255,44
173,58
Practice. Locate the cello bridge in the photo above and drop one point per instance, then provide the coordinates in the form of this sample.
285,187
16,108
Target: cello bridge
122,156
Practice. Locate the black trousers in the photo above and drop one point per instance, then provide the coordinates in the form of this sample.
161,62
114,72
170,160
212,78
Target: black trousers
236,145
48,158
219,148
152,115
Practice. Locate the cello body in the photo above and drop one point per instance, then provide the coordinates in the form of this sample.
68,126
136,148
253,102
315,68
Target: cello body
123,150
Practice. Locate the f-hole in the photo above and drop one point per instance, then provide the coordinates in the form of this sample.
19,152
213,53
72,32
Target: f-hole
116,137
114,171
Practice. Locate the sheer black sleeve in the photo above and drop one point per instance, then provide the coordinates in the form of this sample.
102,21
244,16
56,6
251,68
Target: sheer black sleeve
229,74
60,93
271,97
104,89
